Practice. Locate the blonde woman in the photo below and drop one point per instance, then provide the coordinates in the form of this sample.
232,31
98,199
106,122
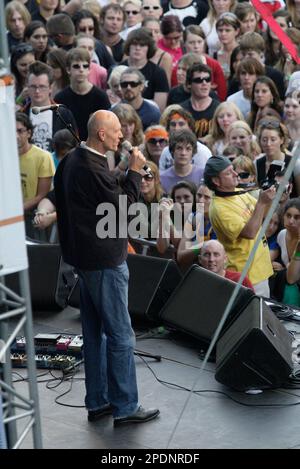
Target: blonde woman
225,114
216,8
241,136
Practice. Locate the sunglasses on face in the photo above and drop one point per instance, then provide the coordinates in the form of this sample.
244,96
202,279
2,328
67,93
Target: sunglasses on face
148,177
88,28
78,66
155,141
243,175
132,84
132,12
150,8
201,80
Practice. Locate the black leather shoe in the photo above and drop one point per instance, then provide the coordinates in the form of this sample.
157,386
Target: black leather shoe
94,415
140,416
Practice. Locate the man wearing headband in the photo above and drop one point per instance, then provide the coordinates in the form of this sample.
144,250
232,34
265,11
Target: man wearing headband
237,219
132,83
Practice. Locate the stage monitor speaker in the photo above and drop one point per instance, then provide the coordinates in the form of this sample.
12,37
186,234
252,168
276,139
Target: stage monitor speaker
256,351
43,260
198,303
151,282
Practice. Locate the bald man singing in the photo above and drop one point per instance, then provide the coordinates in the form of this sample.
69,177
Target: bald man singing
86,192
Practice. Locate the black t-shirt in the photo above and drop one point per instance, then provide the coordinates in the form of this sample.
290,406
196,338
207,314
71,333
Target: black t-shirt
202,118
117,50
177,95
82,106
156,79
105,58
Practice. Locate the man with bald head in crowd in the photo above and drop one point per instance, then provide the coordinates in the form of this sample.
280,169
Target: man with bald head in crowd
213,257
88,201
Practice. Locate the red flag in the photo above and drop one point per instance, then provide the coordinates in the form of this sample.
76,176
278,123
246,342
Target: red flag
272,23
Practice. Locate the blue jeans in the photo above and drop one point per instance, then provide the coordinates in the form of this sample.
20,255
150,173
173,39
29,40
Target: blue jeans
109,340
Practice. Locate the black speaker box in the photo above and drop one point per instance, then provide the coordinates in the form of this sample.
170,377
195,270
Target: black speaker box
198,303
256,351
43,261
151,282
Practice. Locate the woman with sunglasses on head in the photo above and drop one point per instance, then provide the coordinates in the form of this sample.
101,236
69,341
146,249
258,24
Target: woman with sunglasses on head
36,35
21,57
173,213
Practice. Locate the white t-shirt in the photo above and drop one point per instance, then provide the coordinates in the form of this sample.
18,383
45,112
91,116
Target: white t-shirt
199,159
211,35
242,103
42,133
183,12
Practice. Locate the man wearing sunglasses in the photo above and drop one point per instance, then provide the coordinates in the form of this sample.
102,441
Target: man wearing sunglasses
132,83
237,219
200,104
151,9
81,97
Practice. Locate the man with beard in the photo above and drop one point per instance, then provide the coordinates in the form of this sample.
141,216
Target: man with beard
132,84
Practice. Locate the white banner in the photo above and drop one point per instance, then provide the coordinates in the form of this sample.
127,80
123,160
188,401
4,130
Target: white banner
13,254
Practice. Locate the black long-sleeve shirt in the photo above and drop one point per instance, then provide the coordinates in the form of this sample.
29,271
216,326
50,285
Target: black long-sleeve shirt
82,182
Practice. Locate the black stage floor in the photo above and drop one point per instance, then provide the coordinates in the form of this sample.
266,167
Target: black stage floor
211,417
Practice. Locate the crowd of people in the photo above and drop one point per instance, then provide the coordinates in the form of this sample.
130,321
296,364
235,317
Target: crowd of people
204,90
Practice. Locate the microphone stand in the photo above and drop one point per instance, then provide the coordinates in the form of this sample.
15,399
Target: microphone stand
67,125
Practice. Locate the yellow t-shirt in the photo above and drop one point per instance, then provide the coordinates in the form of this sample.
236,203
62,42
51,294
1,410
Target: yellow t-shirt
34,164
228,217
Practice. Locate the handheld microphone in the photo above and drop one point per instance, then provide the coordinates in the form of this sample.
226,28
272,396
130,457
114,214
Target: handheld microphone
51,107
126,145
